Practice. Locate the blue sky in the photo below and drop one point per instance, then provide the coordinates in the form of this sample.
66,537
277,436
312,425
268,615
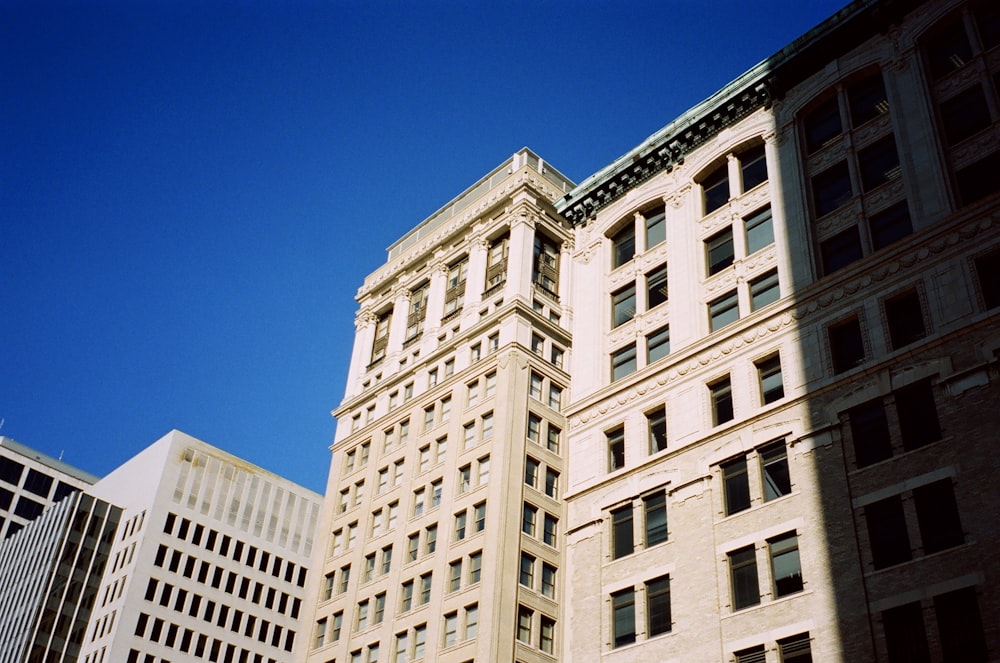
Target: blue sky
192,192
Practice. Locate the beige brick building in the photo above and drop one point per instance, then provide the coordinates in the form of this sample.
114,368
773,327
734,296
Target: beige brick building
770,438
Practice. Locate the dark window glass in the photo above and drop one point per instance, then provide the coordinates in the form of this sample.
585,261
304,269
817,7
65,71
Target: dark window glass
905,636
10,471
716,188
656,228
965,114
771,386
937,514
655,512
759,229
867,99
623,305
905,318
743,573
887,534
62,490
623,362
753,166
795,649
623,246
774,463
785,564
6,498
736,485
658,605
621,532
960,626
949,49
988,22
840,250
723,311
657,421
847,348
988,273
764,290
879,163
623,609
917,414
656,287
719,249
616,449
28,509
722,401
831,188
890,225
978,180
658,345
822,125
870,432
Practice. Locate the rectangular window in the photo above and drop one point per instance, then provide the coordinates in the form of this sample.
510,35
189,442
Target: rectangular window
831,189
471,621
531,467
622,542
878,163
658,606
656,227
656,422
960,625
655,514
840,250
769,374
550,526
401,648
552,434
412,547
715,188
917,414
479,517
753,167
430,539
623,362
450,629
905,319
988,276
905,635
548,581
455,575
822,125
736,485
526,576
937,515
656,287
419,641
545,272
847,348
774,467
719,251
743,574
475,567
529,518
616,448
759,228
623,617
657,345
623,246
764,290
795,649
785,565
546,634
551,483
555,397
870,433
887,535
890,225
723,311
524,619
460,524
721,393
425,588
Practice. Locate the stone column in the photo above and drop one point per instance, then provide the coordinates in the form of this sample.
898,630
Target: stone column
520,256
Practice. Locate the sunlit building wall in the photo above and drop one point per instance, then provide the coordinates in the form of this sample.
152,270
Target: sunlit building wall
785,342
450,449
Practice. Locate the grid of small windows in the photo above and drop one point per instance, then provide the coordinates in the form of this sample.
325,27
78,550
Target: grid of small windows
914,423
200,645
964,81
850,153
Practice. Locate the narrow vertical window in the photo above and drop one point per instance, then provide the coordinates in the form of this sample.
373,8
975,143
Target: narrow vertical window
774,467
654,509
743,574
616,449
721,393
785,566
623,246
656,422
772,387
658,606
622,543
870,433
736,485
623,617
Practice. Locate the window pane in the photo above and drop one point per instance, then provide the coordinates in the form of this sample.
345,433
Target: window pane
754,167
822,125
847,347
917,414
949,49
774,462
870,432
723,311
887,534
719,250
657,345
960,626
658,605
623,362
656,287
655,510
879,163
764,290
616,449
621,532
965,114
716,188
623,305
623,246
657,421
840,250
988,275
656,228
785,565
623,617
771,386
831,189
759,229
743,570
905,636
905,319
722,401
937,515
867,99
890,225
736,485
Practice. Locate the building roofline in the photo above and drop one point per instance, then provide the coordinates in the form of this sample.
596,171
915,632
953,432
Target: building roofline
44,459
756,88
